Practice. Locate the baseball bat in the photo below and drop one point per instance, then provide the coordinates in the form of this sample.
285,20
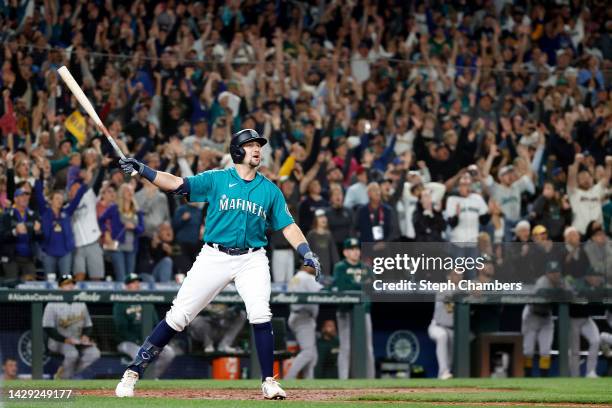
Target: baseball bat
84,102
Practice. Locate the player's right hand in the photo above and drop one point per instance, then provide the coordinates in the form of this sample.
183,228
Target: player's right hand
129,164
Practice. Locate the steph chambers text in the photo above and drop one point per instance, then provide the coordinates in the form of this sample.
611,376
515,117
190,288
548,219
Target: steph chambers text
463,285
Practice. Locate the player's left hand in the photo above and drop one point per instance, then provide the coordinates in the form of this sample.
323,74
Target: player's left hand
312,260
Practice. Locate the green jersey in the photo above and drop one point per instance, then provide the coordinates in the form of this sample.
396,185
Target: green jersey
349,276
128,321
239,211
327,363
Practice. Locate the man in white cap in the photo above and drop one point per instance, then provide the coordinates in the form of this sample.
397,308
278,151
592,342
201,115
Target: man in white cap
507,192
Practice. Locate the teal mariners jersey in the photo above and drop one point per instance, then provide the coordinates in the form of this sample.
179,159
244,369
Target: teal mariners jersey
239,211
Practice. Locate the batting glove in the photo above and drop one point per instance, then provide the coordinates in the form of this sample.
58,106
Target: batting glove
129,165
312,260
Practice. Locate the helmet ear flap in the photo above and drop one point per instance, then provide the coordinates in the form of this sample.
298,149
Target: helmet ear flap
237,153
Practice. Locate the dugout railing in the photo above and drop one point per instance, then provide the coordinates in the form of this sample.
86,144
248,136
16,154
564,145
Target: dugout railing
38,298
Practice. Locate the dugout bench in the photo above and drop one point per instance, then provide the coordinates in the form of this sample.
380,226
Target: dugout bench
38,298
462,336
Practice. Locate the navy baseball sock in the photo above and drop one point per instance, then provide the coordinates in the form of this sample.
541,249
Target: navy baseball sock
264,342
162,334
152,346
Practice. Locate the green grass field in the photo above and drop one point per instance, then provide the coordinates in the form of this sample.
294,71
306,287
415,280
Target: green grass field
332,393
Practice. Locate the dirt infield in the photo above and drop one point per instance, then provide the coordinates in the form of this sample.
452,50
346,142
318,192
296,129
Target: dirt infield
337,394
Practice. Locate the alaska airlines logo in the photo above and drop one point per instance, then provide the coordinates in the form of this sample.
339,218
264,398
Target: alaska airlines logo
86,297
226,204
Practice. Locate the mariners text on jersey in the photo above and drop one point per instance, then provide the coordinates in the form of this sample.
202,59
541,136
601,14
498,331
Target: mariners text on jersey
239,211
226,203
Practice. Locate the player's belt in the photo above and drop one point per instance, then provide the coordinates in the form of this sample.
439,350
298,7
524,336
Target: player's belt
232,251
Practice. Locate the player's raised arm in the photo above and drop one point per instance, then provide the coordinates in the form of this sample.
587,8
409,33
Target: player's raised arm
161,179
296,238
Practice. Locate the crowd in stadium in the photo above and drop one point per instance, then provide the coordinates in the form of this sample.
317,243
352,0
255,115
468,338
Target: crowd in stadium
378,114
480,122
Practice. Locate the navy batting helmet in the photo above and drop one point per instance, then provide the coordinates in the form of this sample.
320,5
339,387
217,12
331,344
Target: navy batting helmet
240,138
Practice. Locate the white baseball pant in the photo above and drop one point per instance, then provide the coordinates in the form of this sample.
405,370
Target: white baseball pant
304,326
540,328
586,327
443,336
75,359
344,337
212,271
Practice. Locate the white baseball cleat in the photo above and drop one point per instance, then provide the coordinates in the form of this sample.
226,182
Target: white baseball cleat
447,375
125,388
592,374
228,349
271,389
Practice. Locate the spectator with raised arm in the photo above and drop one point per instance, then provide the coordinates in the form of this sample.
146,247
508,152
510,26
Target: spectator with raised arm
56,216
585,196
126,225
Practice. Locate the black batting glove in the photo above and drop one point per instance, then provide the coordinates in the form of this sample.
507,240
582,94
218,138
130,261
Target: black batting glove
129,165
312,260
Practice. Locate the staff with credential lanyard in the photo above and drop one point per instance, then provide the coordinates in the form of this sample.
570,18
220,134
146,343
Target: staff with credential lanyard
374,218
378,232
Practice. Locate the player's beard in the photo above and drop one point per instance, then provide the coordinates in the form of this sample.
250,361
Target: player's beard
254,163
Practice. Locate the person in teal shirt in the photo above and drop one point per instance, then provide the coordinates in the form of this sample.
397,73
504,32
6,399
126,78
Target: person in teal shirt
242,205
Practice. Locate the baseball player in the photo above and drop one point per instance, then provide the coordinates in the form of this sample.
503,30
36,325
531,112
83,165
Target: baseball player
68,327
583,325
127,319
303,323
350,274
606,338
242,205
441,331
220,323
537,324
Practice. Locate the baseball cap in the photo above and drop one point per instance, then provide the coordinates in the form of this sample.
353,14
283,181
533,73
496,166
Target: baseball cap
553,266
522,225
65,279
557,170
132,277
539,229
505,170
592,272
20,191
350,243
